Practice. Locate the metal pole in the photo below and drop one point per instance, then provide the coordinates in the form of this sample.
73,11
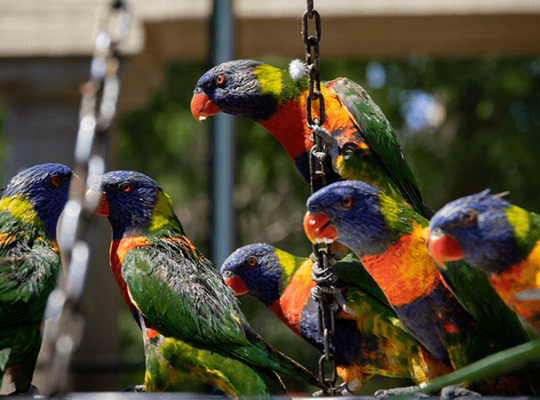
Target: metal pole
223,142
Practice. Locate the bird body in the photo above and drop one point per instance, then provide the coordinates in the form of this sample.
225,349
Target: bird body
368,339
192,323
501,239
362,143
29,264
390,240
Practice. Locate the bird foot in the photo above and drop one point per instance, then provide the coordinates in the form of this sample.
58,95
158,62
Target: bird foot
331,144
528,295
455,391
342,390
135,388
32,391
414,391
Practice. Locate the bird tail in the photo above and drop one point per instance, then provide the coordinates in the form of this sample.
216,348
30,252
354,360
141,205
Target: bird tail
281,363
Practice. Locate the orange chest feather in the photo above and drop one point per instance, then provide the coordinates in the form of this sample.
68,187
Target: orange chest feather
521,276
119,249
289,125
291,303
405,271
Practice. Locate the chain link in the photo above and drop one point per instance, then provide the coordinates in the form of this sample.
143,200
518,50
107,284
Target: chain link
78,232
323,276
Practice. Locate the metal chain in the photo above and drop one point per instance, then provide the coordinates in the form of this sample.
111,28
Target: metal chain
78,232
323,276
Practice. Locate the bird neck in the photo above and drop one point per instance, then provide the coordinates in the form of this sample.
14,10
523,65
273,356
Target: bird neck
21,209
517,278
289,127
405,271
118,251
288,308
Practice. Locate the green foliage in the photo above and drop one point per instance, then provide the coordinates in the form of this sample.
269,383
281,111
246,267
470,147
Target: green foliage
489,138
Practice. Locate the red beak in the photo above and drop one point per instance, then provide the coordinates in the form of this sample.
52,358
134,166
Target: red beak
318,228
202,107
103,207
445,248
237,285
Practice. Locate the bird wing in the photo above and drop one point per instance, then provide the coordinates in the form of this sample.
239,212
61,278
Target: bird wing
28,270
380,136
183,295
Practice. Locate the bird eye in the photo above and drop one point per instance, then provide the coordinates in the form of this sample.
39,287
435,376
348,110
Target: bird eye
55,181
347,201
126,187
470,217
220,79
251,261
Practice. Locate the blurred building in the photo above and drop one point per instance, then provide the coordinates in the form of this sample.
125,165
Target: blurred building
46,48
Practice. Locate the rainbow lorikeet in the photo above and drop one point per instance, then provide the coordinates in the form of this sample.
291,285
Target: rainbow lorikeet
501,239
362,143
368,339
390,240
188,315
29,263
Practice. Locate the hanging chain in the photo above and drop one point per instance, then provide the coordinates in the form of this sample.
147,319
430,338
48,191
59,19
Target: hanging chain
322,274
78,232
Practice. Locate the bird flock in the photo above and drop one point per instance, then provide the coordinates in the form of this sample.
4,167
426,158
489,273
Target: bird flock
421,294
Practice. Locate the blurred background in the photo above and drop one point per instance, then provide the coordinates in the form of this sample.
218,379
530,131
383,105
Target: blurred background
459,80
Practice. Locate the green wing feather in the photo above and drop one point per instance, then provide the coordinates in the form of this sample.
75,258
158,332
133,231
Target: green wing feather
28,270
380,136
474,291
184,297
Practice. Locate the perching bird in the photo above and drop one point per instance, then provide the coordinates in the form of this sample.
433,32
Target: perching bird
29,263
362,143
179,297
501,239
368,338
390,240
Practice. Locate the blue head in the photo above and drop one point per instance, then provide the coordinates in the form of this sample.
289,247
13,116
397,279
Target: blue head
247,88
133,202
45,187
349,212
476,228
256,270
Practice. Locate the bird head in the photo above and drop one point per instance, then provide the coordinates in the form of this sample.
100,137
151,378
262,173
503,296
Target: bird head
133,202
43,190
476,228
349,212
243,87
256,270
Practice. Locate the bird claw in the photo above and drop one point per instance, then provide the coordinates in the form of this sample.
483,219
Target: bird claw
32,391
413,391
454,391
342,390
135,388
528,295
331,144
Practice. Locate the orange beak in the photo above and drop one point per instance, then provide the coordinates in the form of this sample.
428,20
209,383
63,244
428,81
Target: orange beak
202,107
319,229
237,285
445,248
103,207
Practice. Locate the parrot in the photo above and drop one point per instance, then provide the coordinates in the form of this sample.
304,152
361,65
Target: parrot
389,238
501,239
361,142
191,321
29,264
368,338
